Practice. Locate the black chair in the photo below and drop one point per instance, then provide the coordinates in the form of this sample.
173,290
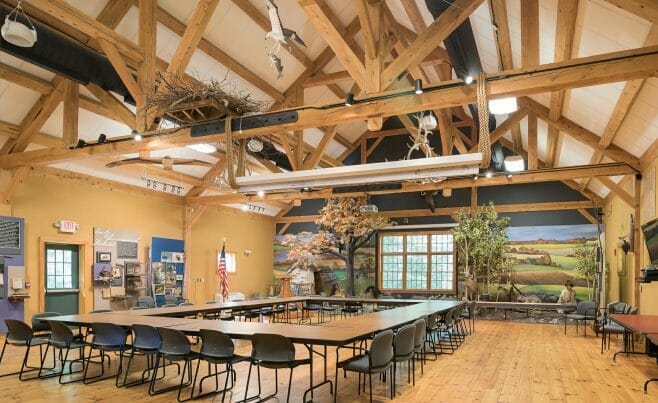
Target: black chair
307,309
404,351
376,360
108,337
20,334
585,310
275,352
40,327
447,333
175,347
351,309
63,340
146,342
185,304
216,348
420,339
469,314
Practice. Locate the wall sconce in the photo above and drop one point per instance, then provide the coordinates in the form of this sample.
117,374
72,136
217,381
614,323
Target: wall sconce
247,252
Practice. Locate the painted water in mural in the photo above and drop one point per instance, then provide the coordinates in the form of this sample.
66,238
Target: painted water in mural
544,258
329,269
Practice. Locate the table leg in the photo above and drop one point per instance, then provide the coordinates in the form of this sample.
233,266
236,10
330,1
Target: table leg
311,351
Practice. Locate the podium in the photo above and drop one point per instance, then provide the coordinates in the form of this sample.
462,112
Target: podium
286,290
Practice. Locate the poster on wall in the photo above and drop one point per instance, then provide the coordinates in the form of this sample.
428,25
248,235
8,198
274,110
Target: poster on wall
10,235
544,258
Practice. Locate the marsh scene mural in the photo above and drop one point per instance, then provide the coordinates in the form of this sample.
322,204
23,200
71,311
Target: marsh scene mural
545,257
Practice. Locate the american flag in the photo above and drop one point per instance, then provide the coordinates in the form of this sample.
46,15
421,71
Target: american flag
223,275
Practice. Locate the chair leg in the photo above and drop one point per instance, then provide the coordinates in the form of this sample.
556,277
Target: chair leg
289,386
370,384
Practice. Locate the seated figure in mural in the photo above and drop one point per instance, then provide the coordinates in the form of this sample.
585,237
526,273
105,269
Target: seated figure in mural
568,294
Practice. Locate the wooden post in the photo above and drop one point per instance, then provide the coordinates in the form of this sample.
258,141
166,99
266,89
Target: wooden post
637,255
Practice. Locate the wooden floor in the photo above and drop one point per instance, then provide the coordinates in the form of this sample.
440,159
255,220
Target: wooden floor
501,362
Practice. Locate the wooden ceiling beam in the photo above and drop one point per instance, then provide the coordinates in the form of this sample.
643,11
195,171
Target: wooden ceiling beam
312,160
443,26
616,189
220,56
190,39
581,72
581,134
122,70
123,114
12,131
331,35
17,179
502,129
647,9
532,141
146,71
449,211
70,114
567,14
541,175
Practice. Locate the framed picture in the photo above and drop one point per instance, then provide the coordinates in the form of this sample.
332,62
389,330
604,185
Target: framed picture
103,257
231,262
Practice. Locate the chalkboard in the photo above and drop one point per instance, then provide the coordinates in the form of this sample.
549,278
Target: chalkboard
126,250
10,235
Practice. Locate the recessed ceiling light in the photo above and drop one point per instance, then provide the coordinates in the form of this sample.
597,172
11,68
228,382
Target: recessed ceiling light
503,106
203,148
514,163
261,193
468,79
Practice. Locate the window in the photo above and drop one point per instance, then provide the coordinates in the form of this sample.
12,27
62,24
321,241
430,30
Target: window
417,261
59,268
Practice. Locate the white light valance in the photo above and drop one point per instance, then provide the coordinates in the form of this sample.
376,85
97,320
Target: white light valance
394,171
503,106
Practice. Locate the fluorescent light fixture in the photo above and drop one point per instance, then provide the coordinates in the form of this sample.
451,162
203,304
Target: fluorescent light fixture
203,148
503,106
394,171
468,79
514,163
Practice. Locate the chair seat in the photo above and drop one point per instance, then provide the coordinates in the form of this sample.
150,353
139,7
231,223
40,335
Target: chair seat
612,328
193,355
575,316
360,363
223,360
284,364
36,341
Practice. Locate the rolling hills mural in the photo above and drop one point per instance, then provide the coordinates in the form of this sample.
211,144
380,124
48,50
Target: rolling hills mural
544,258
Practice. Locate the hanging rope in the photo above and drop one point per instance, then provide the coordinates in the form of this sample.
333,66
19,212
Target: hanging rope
484,143
236,160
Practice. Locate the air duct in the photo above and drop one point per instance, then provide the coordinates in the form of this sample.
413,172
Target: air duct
67,57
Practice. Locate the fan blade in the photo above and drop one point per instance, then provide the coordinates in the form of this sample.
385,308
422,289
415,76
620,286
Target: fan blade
132,161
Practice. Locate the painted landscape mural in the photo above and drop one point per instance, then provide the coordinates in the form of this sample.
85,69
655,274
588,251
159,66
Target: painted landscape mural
544,257
328,269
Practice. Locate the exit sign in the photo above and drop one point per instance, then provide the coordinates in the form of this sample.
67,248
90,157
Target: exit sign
66,226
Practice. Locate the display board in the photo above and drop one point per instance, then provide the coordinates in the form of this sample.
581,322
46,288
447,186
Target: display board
167,269
10,235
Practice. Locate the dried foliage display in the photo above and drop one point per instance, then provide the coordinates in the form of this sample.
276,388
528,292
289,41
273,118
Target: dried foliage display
189,101
343,230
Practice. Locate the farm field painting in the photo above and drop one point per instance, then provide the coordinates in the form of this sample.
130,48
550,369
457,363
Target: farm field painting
544,258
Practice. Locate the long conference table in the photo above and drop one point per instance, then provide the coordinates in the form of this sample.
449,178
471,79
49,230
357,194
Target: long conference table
336,333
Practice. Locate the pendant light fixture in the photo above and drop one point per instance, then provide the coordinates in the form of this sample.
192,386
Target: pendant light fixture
17,33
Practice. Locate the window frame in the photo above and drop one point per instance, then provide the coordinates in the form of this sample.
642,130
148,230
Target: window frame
428,253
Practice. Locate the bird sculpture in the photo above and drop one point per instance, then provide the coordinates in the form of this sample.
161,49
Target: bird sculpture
280,35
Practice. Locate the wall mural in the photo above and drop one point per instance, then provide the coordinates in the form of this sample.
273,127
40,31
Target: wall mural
327,269
545,258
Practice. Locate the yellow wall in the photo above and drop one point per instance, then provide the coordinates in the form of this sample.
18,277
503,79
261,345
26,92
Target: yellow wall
243,231
622,284
44,200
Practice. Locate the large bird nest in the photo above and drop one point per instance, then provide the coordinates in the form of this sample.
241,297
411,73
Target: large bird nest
189,101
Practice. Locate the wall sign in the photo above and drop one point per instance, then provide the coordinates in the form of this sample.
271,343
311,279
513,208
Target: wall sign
10,235
67,226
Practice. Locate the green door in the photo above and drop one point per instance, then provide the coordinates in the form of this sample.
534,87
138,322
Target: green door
61,274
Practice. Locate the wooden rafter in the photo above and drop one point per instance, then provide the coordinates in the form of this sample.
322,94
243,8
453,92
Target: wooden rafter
112,103
504,127
70,118
122,70
610,67
312,160
532,141
647,9
16,180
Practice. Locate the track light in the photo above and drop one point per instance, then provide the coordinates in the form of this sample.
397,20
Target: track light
81,143
102,138
468,79
136,135
418,86
261,193
349,99
476,177
489,174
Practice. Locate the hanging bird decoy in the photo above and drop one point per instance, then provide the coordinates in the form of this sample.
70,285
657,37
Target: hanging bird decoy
275,61
280,34
429,199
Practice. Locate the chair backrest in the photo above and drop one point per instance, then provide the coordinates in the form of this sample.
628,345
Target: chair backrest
420,333
136,308
146,337
216,344
210,302
40,326
61,335
471,309
100,311
585,307
272,348
146,300
174,342
633,310
431,322
381,350
171,299
448,317
235,296
169,305
403,341
185,304
108,334
19,332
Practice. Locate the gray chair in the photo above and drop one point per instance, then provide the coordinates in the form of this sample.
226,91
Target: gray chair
585,310
108,337
137,308
404,351
41,327
171,299
377,360
175,347
216,348
63,339
20,334
420,339
146,301
275,352
146,342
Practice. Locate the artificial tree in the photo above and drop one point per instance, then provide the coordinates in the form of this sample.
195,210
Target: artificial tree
586,264
481,239
343,230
